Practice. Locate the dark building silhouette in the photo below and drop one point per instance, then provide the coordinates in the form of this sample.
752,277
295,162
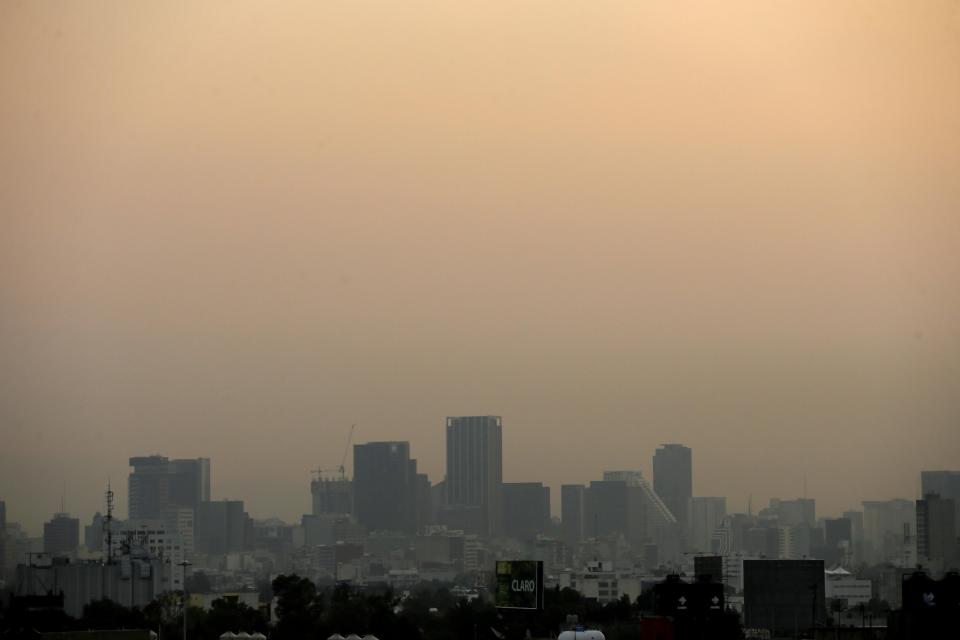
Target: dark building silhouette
385,494
945,484
158,484
61,535
221,527
572,511
614,506
474,479
784,596
331,496
937,530
526,509
93,533
708,568
673,479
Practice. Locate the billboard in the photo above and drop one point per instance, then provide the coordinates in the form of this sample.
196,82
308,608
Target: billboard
519,584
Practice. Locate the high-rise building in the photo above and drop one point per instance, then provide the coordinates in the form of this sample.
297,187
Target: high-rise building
937,530
158,483
61,535
889,532
705,515
332,496
616,507
526,509
572,512
221,527
792,513
385,495
658,524
93,533
945,484
673,479
474,479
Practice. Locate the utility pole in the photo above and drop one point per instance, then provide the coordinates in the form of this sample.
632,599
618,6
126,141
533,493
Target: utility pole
185,564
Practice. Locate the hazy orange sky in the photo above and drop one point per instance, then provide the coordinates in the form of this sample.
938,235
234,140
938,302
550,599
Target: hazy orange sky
232,229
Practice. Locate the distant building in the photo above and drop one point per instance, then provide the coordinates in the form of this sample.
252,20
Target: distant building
673,479
385,486
331,528
793,513
659,526
840,584
93,533
889,532
132,581
221,527
937,531
601,581
783,595
706,514
945,484
61,536
332,496
526,509
474,480
151,539
838,541
572,512
158,484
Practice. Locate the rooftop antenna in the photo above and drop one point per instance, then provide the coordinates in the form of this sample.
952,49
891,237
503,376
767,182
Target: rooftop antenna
107,521
804,486
749,504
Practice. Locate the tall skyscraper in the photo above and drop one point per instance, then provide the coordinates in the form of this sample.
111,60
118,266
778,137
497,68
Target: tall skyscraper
673,479
385,488
61,535
945,484
526,509
706,514
158,484
474,479
937,530
572,512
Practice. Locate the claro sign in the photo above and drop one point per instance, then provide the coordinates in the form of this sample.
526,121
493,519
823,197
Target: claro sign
519,584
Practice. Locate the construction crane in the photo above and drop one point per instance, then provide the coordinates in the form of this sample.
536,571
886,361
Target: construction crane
343,459
346,450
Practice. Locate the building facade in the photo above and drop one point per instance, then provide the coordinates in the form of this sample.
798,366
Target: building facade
385,486
673,479
474,481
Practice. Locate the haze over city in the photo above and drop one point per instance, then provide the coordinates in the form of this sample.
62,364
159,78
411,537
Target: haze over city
232,230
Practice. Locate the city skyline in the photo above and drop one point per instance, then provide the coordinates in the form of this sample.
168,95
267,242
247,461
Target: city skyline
754,501
233,231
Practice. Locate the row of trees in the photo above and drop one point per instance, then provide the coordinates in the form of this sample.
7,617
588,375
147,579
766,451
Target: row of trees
304,612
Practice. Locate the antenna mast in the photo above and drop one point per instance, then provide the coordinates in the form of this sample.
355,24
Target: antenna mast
107,521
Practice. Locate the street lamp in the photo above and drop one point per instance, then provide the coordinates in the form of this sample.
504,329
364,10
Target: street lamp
184,564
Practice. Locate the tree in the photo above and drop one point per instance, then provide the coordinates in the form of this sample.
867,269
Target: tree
299,608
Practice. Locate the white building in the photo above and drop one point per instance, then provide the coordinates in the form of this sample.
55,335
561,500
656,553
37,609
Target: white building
155,539
840,584
602,581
